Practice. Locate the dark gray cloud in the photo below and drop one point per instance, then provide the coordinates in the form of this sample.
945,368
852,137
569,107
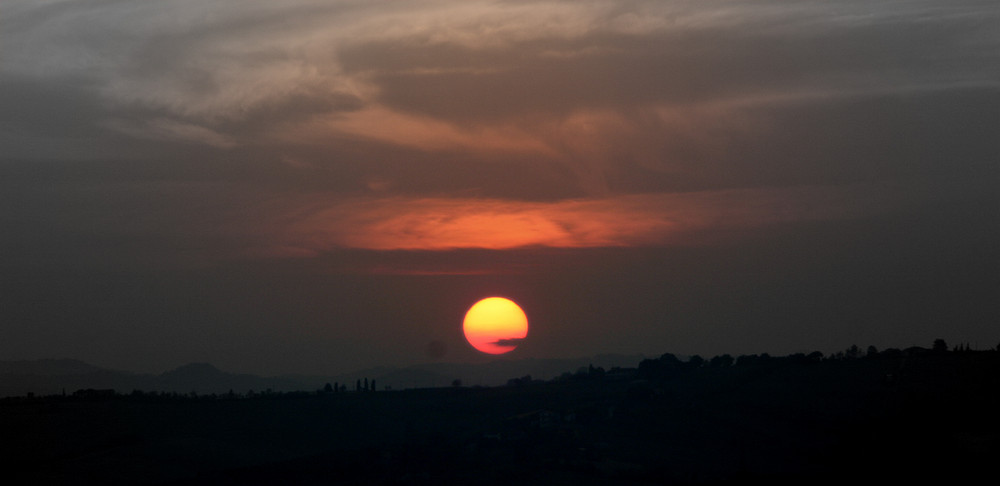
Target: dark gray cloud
511,342
641,96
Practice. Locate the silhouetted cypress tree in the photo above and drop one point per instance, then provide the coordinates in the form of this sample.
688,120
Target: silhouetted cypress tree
940,346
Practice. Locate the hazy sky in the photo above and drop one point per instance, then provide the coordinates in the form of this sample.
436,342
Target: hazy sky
321,186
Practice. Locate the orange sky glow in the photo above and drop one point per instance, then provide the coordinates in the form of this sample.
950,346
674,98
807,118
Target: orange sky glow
453,223
440,223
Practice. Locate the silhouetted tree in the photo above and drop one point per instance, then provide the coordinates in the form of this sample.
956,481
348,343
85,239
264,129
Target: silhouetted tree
720,361
456,383
753,359
940,346
373,385
696,361
366,385
597,372
871,352
659,368
357,386
524,380
328,388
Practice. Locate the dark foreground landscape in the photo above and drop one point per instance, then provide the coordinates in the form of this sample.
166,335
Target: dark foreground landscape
878,416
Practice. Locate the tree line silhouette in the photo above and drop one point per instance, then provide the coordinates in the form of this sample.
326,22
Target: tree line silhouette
665,366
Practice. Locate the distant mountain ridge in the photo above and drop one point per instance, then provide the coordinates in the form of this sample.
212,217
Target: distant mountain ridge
55,376
47,367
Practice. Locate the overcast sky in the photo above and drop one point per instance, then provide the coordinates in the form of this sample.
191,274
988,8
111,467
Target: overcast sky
322,186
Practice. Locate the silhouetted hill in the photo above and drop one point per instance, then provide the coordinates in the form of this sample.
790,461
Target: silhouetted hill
493,373
203,378
55,376
498,372
909,416
51,376
46,367
400,379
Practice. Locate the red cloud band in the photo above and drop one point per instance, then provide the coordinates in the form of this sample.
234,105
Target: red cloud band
450,223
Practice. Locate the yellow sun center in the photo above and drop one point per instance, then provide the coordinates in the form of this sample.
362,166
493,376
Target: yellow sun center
495,325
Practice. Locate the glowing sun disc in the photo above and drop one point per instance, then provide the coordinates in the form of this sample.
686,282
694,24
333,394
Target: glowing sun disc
495,325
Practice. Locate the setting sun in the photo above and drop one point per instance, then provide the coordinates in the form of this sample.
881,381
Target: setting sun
495,325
